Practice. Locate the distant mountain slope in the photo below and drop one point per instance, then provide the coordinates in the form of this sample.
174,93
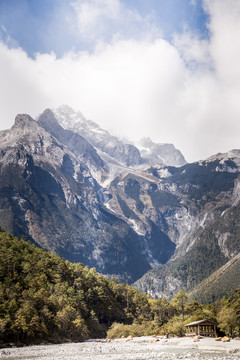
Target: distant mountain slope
154,154
218,284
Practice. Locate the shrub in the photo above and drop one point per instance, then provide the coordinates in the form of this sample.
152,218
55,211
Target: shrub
175,327
120,330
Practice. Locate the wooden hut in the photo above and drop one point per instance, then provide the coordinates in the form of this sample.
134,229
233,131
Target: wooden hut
201,327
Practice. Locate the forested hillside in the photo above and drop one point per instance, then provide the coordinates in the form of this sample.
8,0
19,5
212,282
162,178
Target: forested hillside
46,298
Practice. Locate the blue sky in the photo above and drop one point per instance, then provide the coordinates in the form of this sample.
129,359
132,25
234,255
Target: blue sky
44,26
168,69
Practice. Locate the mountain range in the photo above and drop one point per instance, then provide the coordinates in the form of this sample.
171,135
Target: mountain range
137,213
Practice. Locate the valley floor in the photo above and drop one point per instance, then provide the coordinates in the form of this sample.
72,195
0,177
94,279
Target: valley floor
143,348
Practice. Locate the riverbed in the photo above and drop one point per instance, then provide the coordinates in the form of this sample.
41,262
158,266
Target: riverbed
143,348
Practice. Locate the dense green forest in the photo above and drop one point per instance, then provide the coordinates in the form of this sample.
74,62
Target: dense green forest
46,298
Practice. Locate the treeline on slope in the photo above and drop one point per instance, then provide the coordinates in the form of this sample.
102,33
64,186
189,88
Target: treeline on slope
46,298
219,283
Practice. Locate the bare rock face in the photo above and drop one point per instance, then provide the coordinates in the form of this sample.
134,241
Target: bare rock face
75,143
26,137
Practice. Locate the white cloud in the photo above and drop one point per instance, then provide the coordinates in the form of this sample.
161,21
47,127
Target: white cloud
19,90
194,51
104,20
186,93
92,14
225,45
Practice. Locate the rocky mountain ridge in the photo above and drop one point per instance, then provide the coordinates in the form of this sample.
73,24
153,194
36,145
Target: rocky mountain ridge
120,150
72,188
126,154
49,195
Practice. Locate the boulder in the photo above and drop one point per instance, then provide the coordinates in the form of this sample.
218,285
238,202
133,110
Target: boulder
129,338
225,339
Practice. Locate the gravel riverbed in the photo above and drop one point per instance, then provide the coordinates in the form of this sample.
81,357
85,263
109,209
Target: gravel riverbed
144,348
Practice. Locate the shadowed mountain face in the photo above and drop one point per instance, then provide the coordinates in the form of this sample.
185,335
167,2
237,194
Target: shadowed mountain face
72,188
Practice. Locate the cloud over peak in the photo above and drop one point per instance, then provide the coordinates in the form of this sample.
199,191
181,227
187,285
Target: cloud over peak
185,91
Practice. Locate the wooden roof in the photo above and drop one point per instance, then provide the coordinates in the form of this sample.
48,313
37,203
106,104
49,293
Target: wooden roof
201,322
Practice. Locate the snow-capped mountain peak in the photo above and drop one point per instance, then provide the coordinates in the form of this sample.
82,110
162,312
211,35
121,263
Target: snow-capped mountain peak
101,139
